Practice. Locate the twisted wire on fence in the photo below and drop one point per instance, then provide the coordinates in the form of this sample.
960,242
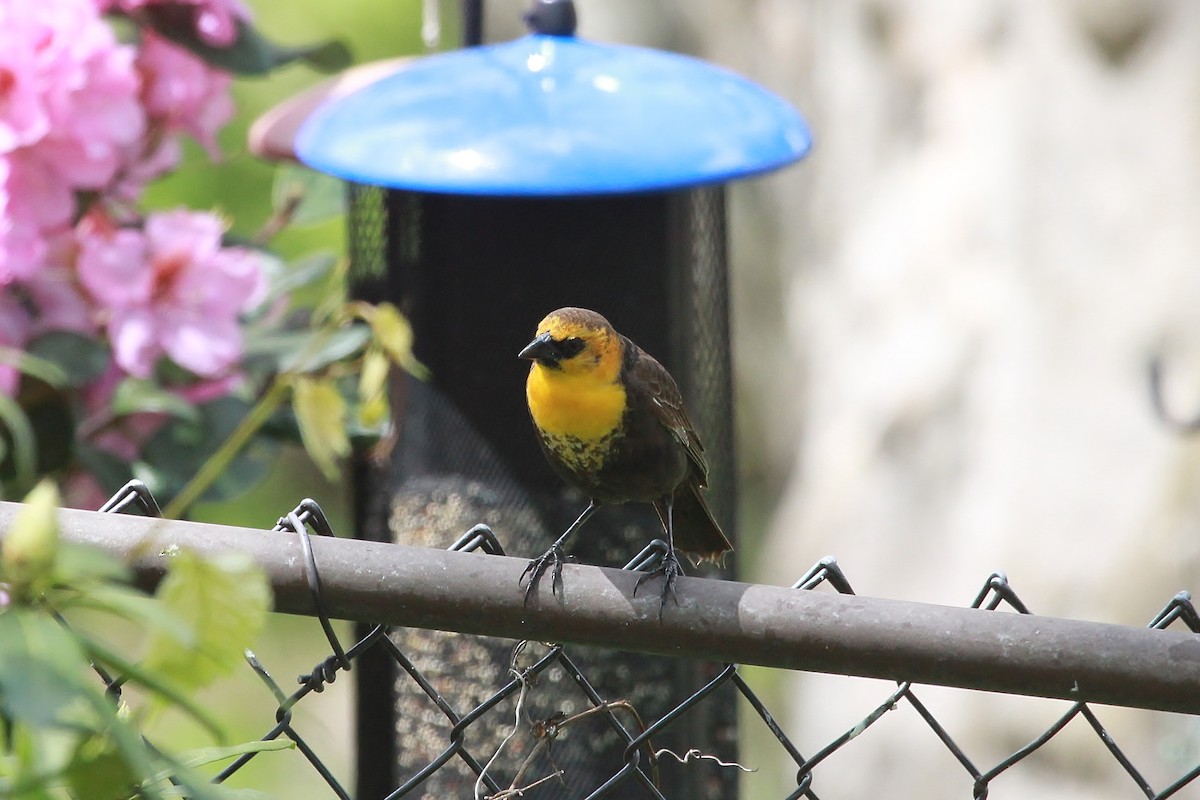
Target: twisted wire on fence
639,767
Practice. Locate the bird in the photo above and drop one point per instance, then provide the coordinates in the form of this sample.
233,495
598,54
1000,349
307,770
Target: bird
611,421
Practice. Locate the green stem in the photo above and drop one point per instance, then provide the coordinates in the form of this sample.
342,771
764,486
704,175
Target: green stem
216,465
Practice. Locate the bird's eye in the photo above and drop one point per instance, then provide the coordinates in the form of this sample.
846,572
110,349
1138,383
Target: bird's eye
570,347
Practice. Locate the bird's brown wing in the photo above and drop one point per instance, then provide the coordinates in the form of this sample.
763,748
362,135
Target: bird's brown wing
668,407
696,531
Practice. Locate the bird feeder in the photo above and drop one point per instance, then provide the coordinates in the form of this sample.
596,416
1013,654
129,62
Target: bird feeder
493,184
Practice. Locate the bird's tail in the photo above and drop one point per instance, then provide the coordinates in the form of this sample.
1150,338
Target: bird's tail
696,532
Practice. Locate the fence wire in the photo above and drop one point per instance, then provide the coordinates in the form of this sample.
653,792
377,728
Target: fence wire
639,768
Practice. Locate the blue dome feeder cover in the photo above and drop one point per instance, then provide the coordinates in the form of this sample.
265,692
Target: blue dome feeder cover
553,115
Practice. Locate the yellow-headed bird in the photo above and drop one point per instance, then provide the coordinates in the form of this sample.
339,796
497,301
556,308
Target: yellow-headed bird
612,424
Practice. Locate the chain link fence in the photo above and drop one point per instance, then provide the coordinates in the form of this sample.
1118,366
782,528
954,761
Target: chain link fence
504,749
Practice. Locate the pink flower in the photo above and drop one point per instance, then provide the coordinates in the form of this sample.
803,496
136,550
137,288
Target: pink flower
23,115
59,304
21,245
69,89
14,331
182,93
215,21
82,490
170,289
206,391
125,436
47,300
154,162
35,202
122,437
69,118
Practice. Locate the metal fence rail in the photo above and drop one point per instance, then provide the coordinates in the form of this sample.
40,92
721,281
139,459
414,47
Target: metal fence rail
465,590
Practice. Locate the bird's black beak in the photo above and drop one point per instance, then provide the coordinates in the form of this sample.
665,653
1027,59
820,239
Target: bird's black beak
540,349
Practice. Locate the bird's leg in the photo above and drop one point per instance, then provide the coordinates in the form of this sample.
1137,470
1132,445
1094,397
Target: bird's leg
554,556
669,567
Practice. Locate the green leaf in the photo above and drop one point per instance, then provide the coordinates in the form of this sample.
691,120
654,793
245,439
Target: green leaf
80,565
180,768
372,389
332,300
130,743
272,268
323,347
224,600
37,757
42,671
321,197
250,53
146,611
329,56
112,472
214,791
211,755
304,351
395,335
37,367
321,413
139,396
176,452
21,447
134,673
99,771
299,274
264,350
185,784
50,696
81,359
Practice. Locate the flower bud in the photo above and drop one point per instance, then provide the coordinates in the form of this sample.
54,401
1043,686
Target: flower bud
30,547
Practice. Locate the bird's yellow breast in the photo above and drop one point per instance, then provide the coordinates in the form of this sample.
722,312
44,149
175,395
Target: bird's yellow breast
582,406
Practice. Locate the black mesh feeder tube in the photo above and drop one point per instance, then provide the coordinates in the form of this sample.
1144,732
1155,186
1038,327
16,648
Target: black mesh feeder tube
489,186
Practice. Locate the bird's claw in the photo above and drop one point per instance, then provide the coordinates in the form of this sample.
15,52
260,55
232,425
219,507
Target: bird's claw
670,569
536,567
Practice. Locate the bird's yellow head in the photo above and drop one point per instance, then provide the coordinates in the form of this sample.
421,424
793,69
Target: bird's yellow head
574,389
575,342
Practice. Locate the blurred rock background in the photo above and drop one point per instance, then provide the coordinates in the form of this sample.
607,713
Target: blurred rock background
943,322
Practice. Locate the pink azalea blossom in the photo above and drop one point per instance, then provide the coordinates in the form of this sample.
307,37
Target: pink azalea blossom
21,244
82,490
122,437
37,202
182,93
59,303
69,90
159,160
14,331
69,117
215,20
170,289
24,118
206,391
48,300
